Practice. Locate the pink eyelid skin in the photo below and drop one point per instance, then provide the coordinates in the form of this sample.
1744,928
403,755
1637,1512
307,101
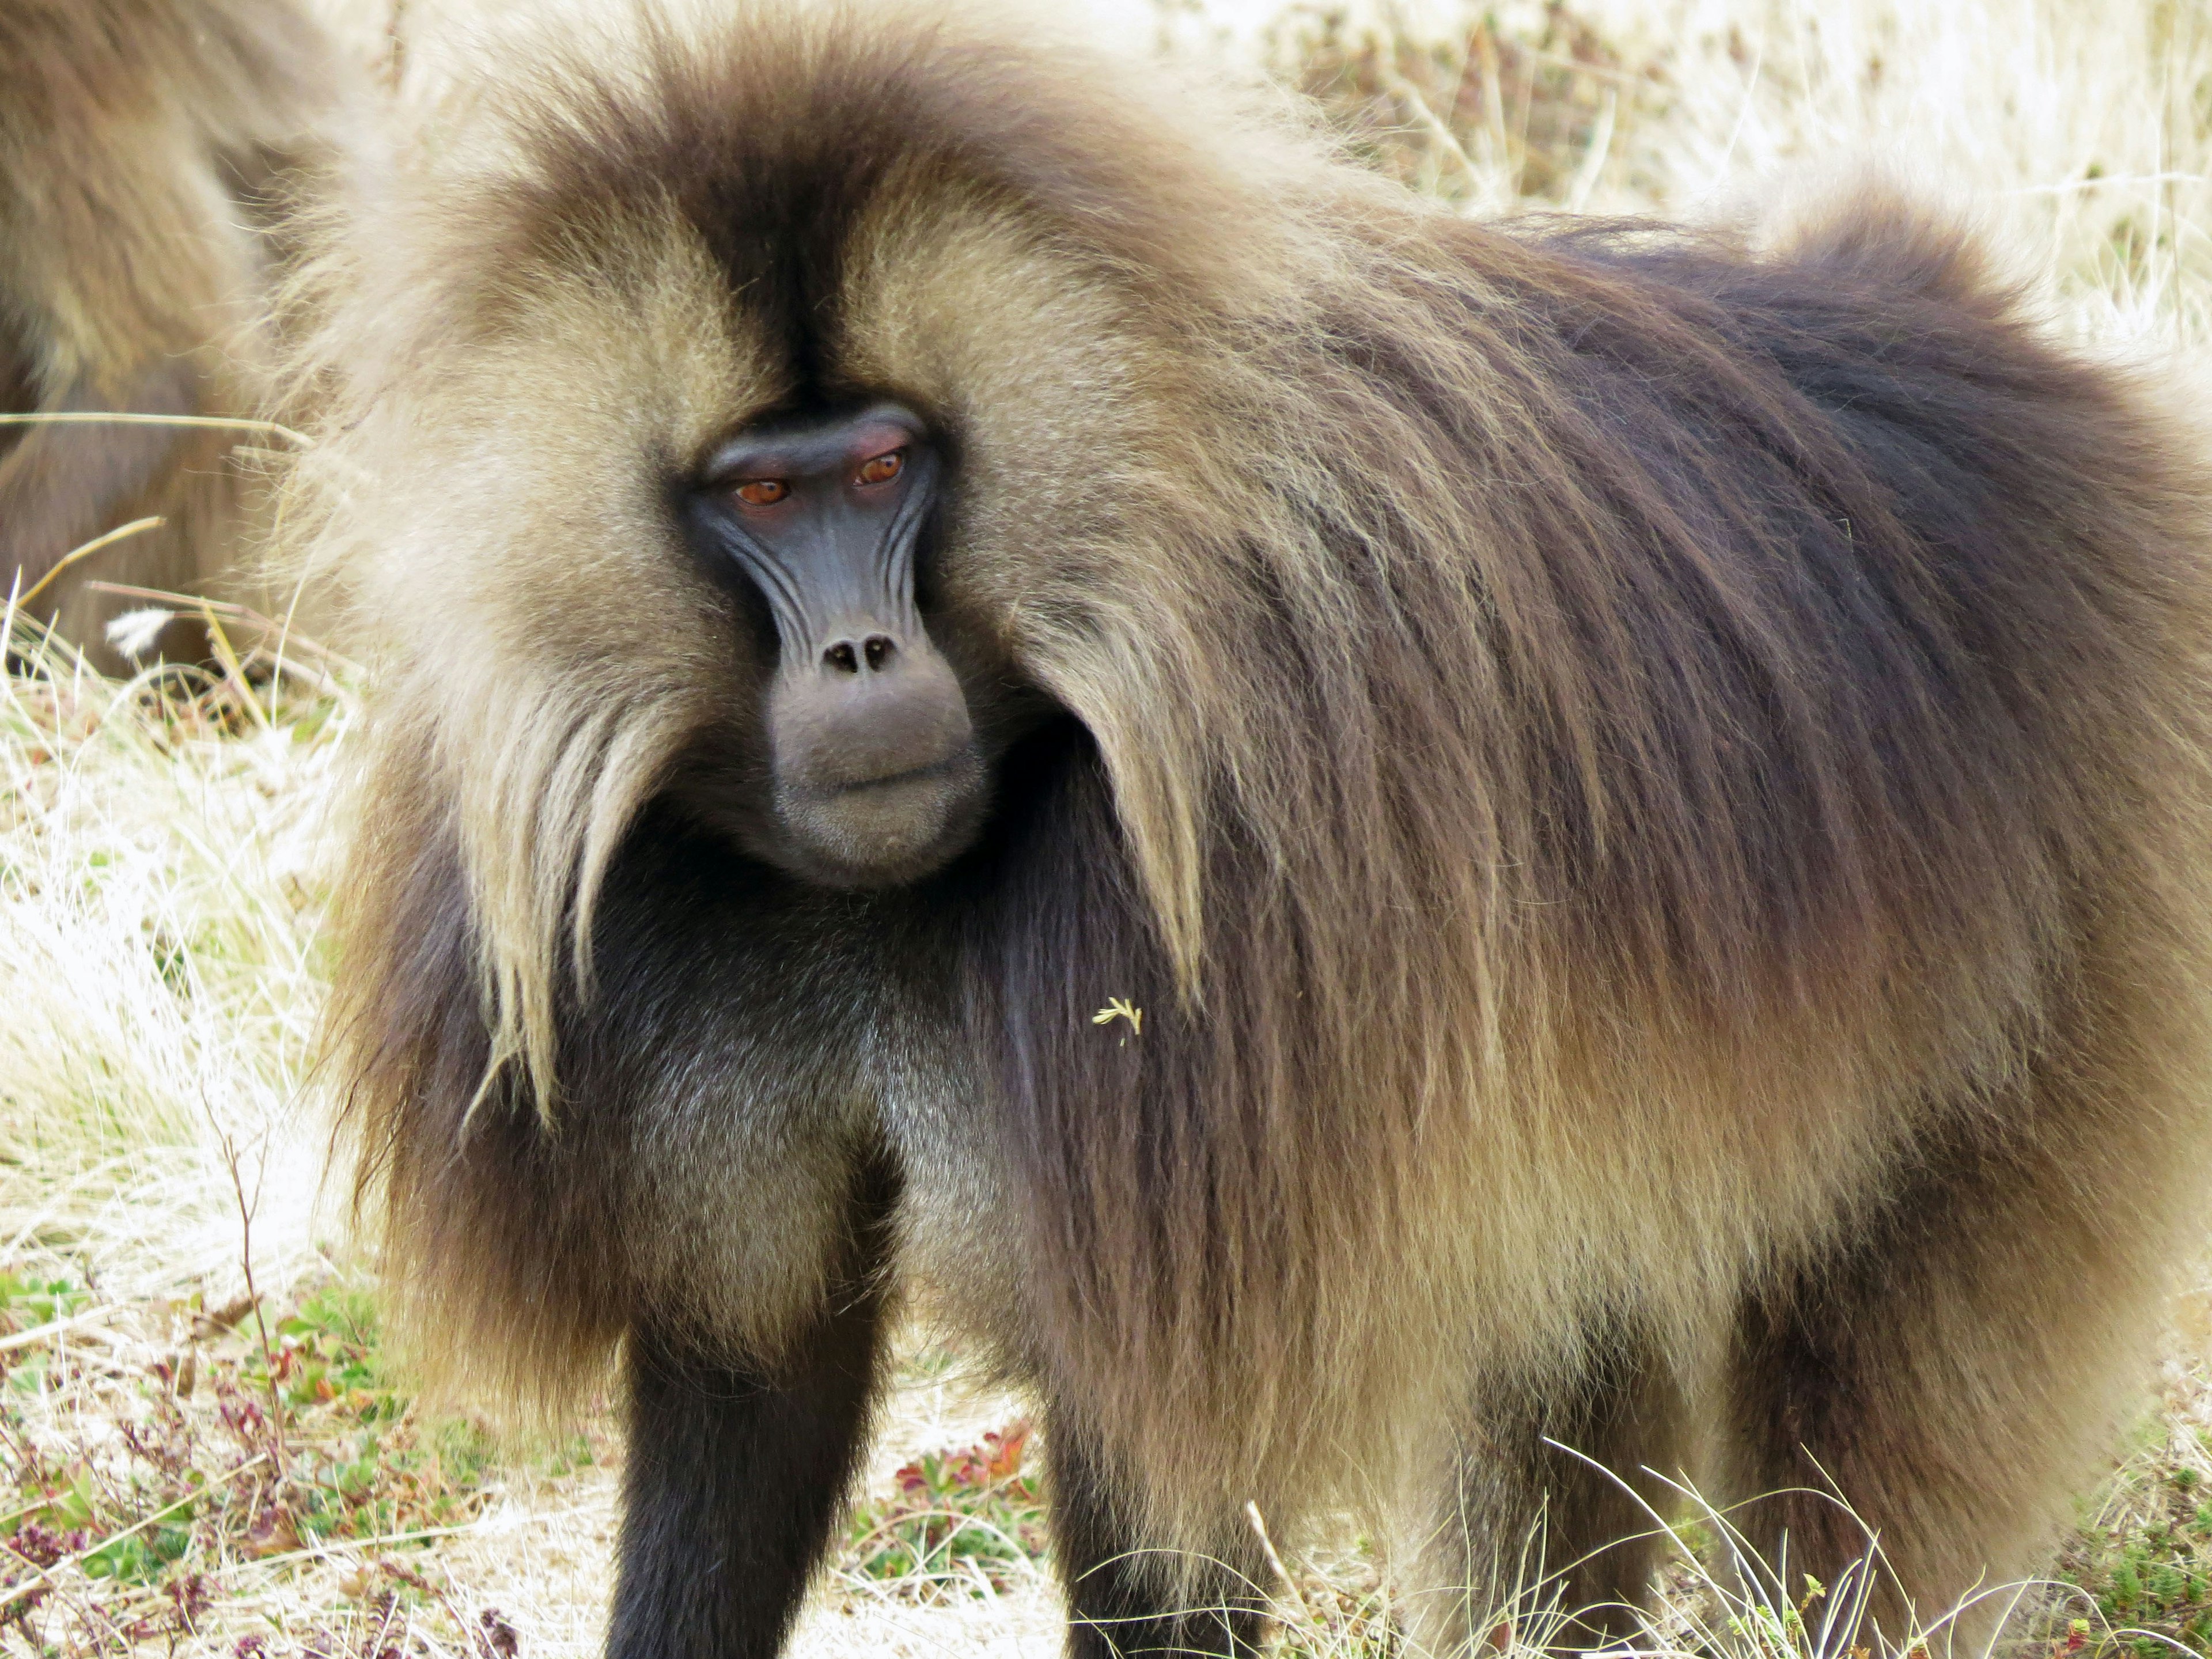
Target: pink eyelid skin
869,444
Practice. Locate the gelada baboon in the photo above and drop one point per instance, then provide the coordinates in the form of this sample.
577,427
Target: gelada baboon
1645,805
142,147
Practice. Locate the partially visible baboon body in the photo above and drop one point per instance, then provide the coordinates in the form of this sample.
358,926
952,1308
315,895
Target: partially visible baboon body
1384,850
145,149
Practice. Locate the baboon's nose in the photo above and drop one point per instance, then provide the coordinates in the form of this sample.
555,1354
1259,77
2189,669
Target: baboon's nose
875,757
873,654
873,708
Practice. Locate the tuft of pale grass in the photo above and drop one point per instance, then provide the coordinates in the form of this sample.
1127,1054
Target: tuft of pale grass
163,848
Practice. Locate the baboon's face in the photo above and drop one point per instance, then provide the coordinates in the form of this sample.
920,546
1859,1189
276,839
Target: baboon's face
834,596
870,771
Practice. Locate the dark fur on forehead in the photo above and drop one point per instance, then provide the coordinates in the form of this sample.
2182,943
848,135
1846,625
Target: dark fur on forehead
771,140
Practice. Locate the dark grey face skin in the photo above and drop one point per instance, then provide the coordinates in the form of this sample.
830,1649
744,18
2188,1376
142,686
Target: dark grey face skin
875,773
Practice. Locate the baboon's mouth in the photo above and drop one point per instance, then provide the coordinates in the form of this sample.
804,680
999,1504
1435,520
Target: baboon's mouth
881,831
946,770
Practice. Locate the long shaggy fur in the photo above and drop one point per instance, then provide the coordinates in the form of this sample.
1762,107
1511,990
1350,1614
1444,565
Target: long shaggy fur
144,146
1652,799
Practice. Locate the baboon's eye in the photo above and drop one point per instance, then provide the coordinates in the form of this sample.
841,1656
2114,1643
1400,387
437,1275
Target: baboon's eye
763,492
883,469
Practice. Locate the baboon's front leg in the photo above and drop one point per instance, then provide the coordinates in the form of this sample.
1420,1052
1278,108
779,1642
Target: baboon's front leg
735,1478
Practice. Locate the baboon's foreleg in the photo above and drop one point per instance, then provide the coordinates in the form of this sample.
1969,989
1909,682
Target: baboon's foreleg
735,1478
1125,1596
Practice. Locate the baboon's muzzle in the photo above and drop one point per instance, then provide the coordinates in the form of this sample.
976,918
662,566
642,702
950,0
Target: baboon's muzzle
877,776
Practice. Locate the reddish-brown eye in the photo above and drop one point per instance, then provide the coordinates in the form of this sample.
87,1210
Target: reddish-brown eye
883,469
763,492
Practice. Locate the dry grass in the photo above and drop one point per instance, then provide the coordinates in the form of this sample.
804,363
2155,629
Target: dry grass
160,862
184,1468
2078,132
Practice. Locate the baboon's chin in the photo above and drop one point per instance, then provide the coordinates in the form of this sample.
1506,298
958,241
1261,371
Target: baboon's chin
883,833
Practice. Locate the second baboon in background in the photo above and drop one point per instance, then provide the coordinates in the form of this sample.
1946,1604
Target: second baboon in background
144,148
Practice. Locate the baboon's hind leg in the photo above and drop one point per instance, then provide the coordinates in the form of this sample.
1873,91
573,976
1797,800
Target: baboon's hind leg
1530,1524
1125,1600
1952,1370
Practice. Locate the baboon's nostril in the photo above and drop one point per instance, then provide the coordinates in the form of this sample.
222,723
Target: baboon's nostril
879,649
843,658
